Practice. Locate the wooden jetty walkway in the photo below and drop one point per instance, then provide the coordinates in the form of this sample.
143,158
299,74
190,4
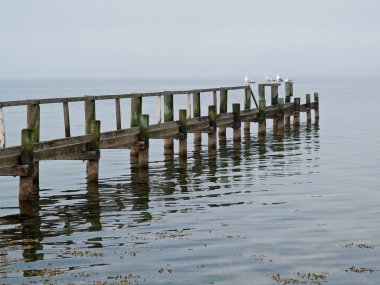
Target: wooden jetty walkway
23,160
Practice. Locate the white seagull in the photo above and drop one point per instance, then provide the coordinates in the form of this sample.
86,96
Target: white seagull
288,80
279,79
268,78
247,81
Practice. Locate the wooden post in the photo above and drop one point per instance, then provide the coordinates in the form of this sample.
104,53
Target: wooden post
89,113
261,88
118,114
274,102
168,117
308,110
136,110
237,122
33,122
212,116
66,119
144,142
93,165
296,114
2,129
280,116
214,99
197,113
28,188
188,105
247,106
223,110
262,122
288,95
158,108
183,134
316,108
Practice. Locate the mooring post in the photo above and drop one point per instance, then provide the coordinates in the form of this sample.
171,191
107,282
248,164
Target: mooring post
212,116
66,119
262,118
247,106
308,110
168,117
182,133
316,107
136,111
280,116
144,142
28,187
197,113
296,114
33,122
2,129
237,122
274,102
288,95
223,110
93,164
118,114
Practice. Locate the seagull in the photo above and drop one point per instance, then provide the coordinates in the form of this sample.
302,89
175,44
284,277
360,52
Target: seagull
268,78
288,80
279,79
247,81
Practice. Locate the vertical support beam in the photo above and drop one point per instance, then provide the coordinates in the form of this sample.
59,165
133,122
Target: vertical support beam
182,133
33,122
274,95
223,110
66,119
89,113
2,129
288,91
261,88
296,114
212,116
280,116
188,105
247,106
214,99
158,108
28,188
136,110
237,122
262,118
316,108
93,165
118,114
144,142
168,117
308,110
197,113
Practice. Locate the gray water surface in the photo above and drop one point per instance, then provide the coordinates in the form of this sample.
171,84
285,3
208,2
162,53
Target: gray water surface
255,212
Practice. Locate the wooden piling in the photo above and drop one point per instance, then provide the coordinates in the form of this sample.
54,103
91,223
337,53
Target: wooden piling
288,95
182,133
262,118
214,99
188,105
274,102
308,110
212,116
158,108
316,107
33,122
197,113
89,113
118,114
66,119
136,111
223,110
247,106
237,122
144,142
2,129
261,88
168,117
28,188
280,116
296,113
93,164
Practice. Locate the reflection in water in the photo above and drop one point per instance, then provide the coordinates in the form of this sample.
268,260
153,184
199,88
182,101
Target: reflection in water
210,178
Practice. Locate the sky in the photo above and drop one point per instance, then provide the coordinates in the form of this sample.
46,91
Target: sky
181,38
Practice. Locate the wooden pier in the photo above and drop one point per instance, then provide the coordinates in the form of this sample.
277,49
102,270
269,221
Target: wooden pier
23,160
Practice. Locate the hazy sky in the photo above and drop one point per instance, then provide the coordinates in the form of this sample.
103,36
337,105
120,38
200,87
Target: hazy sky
180,38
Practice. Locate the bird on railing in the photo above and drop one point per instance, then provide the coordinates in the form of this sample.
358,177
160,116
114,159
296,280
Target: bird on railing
248,81
288,80
268,78
279,79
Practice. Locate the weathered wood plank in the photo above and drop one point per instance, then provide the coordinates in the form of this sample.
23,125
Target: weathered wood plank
12,160
15,150
61,142
54,153
119,142
18,170
2,129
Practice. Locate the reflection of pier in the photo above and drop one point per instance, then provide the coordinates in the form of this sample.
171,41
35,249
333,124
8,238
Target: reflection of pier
24,160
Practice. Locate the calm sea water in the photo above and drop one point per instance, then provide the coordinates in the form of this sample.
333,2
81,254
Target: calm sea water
302,207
